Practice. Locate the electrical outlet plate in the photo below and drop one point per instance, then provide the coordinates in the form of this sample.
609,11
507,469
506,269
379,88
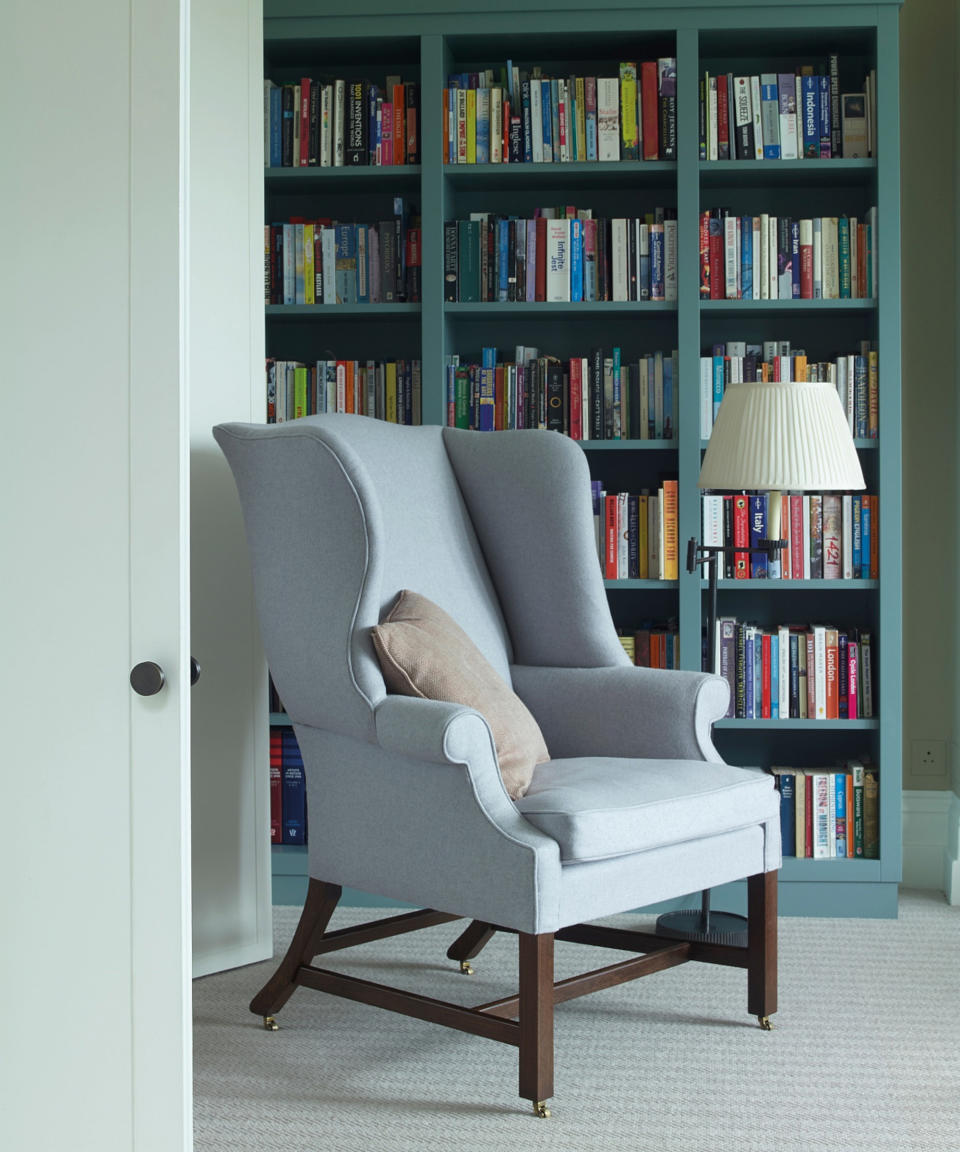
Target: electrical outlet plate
929,757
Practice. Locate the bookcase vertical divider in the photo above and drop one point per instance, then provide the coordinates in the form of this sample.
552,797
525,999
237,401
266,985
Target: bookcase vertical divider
890,682
432,213
688,337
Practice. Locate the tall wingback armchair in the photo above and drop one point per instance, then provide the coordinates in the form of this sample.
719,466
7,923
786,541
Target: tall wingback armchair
405,796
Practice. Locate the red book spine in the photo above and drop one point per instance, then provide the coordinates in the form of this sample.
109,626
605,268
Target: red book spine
610,569
766,677
796,537
741,536
704,255
853,652
650,106
717,284
399,123
806,271
723,120
540,290
576,399
304,121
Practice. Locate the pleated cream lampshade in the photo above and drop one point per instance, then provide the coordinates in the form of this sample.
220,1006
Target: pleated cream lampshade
781,436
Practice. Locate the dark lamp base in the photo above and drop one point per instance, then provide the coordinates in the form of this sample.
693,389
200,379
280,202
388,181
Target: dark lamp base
689,924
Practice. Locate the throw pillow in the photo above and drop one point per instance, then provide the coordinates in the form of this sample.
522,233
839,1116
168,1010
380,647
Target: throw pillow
423,652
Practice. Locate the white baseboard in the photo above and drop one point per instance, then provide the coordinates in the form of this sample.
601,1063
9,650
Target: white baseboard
931,841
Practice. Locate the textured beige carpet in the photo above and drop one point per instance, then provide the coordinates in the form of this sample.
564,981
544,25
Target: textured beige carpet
865,1053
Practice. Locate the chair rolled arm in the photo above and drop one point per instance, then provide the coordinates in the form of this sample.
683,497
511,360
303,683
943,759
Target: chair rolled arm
624,711
434,730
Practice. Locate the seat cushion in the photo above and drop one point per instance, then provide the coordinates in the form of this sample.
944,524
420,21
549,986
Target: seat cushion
423,652
597,807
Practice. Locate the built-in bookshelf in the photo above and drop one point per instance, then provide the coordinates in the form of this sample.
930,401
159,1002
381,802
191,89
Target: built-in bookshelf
839,205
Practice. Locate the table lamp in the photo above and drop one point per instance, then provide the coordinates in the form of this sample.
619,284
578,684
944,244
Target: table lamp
784,436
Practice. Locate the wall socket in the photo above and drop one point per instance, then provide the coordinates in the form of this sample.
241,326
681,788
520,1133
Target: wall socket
929,758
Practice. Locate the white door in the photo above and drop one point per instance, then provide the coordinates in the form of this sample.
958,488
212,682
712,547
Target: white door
94,876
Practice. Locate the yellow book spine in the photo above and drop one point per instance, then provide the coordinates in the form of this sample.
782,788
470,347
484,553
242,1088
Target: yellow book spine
471,126
391,391
299,392
628,112
309,277
581,98
670,542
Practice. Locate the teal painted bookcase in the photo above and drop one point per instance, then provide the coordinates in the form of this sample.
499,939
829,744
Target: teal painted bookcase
307,36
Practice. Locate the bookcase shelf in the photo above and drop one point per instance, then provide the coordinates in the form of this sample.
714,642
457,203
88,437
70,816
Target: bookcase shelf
303,37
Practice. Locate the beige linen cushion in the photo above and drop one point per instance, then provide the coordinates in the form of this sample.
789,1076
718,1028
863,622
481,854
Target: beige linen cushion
423,652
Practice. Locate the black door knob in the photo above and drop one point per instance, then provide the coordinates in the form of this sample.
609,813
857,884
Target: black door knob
194,671
147,678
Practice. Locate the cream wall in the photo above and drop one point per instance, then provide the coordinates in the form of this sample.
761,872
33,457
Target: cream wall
930,51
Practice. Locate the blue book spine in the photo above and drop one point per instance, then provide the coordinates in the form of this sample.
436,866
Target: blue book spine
824,109
591,128
503,260
746,258
547,117
788,819
840,793
759,566
576,260
486,413
748,674
810,116
770,98
555,117
758,675
657,291
276,133
865,528
717,384
483,132
294,801
774,676
488,357
525,123
857,535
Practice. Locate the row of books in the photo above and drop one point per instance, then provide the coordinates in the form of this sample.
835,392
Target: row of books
324,261
333,123
595,397
806,672
830,813
386,389
288,792
856,377
790,115
769,257
829,535
523,118
564,258
653,646
636,534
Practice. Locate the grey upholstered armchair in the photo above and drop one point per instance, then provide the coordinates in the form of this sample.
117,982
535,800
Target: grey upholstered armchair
635,805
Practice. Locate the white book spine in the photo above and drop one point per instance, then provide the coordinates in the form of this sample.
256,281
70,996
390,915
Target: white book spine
339,120
772,291
328,251
536,121
806,538
847,521
618,258
608,118
712,120
730,257
818,258
623,536
706,397
558,261
821,814
764,257
820,671
496,125
783,684
757,117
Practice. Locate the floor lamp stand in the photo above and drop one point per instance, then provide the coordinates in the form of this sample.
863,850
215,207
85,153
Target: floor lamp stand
702,923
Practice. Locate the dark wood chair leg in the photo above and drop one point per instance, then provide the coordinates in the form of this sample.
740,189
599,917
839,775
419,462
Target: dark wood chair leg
471,942
321,901
536,1019
762,946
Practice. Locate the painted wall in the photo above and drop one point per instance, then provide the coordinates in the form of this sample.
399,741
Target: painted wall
929,56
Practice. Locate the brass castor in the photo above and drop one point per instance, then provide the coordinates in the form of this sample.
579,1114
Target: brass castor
466,967
270,1024
540,1109
764,1022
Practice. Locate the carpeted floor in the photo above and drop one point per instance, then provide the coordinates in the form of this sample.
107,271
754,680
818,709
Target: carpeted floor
865,1052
